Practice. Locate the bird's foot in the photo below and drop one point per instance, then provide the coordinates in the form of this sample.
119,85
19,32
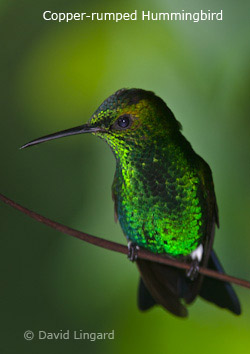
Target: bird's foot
193,271
133,249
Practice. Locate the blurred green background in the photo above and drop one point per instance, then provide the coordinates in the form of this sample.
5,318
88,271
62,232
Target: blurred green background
53,76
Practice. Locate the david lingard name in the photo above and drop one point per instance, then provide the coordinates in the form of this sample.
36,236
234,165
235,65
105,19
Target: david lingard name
77,335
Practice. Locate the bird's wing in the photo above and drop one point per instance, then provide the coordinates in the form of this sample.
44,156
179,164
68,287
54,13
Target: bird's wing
209,198
212,219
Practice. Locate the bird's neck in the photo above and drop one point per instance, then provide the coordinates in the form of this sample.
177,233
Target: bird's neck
139,167
143,162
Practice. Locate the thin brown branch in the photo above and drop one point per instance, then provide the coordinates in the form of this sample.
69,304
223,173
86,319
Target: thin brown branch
113,246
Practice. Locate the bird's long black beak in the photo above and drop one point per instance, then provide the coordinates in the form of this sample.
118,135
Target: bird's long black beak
86,128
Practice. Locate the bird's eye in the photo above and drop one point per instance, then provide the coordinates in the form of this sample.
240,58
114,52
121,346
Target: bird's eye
123,121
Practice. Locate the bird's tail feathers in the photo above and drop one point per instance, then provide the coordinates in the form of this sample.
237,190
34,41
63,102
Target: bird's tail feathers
170,288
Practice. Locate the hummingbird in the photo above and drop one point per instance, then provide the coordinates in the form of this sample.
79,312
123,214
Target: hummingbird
164,199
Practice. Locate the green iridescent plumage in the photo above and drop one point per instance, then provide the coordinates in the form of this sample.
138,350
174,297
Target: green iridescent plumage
161,199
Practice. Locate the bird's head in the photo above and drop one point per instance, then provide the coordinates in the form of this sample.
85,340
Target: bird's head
129,117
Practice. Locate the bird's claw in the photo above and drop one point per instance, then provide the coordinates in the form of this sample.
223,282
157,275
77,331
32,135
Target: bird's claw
133,249
193,271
